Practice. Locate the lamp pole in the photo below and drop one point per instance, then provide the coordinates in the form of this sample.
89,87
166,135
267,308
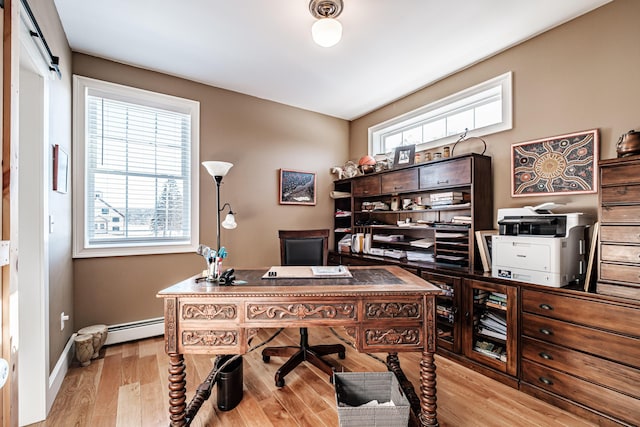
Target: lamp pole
218,180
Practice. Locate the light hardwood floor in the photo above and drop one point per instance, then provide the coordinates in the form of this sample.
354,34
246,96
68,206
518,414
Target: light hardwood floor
127,387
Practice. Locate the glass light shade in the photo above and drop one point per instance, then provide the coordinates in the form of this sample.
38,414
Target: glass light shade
326,32
216,168
229,222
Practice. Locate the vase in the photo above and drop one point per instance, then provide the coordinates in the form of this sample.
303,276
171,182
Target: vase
99,336
84,348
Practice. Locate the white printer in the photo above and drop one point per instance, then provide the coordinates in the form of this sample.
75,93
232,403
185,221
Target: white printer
537,246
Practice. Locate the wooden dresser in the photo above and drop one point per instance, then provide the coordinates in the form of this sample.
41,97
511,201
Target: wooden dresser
581,352
619,214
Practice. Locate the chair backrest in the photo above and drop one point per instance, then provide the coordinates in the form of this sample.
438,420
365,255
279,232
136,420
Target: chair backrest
304,247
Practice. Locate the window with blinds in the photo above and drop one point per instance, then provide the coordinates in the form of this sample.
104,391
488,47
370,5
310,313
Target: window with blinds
138,170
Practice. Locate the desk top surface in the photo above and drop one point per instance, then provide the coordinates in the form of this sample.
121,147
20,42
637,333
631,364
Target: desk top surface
369,280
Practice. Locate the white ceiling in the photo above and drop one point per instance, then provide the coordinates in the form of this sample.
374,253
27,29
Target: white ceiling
264,47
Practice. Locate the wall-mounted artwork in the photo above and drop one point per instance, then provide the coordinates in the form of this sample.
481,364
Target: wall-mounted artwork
60,170
297,188
565,164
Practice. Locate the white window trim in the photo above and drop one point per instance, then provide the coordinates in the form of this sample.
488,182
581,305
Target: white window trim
505,80
80,249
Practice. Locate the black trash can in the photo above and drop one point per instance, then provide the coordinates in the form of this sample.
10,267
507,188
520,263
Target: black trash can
229,383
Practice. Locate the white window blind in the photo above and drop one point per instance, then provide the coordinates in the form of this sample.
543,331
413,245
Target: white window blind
138,173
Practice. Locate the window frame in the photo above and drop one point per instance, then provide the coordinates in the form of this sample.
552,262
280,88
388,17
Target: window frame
411,118
81,247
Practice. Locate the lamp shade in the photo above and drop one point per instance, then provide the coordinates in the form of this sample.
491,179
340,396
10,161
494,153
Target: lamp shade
216,168
326,32
229,222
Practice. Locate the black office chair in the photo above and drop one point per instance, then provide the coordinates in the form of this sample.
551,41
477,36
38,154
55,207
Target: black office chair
303,247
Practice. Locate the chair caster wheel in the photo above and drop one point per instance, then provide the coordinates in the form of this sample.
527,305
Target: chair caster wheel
280,383
265,359
341,355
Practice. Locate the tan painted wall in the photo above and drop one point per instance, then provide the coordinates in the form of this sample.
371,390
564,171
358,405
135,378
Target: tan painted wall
582,75
259,137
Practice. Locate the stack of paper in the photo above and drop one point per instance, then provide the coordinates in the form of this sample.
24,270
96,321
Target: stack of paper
422,243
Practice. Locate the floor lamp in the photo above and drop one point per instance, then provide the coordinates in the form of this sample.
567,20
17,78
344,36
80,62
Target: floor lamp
218,170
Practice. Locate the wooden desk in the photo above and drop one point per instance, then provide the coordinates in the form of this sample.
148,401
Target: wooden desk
383,309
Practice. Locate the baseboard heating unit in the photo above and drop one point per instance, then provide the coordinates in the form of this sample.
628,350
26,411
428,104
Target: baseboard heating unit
135,330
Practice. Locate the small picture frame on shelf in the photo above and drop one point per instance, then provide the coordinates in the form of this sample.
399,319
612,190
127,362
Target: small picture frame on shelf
483,240
404,156
588,278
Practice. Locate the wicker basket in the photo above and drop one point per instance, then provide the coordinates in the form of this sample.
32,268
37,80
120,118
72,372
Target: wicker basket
356,388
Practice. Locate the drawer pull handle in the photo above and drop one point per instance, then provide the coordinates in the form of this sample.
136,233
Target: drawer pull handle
545,331
546,307
545,355
546,381
446,181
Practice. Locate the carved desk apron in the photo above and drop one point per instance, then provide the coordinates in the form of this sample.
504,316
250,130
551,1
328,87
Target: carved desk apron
382,308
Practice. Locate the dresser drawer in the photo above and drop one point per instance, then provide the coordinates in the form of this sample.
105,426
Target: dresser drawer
617,318
622,214
620,194
446,174
599,398
620,253
404,180
620,233
615,347
620,273
367,186
620,174
619,377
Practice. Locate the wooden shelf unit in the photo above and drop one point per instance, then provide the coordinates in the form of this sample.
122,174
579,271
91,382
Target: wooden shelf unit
379,208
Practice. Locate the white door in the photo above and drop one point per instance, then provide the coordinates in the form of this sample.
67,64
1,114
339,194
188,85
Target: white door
34,170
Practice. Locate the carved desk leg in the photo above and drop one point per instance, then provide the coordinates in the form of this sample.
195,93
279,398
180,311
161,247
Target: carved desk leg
393,364
428,390
177,390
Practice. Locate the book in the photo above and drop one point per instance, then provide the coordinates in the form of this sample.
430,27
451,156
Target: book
493,334
449,195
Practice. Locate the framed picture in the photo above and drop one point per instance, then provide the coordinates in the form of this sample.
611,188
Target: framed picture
564,164
483,240
60,169
297,188
404,156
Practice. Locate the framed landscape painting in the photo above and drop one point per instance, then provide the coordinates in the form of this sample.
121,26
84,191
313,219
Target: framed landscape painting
297,188
564,164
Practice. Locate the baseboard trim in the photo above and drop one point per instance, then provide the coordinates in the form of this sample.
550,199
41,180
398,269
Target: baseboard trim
59,372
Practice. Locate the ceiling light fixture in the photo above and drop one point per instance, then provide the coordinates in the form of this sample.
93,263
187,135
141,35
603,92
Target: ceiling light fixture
327,30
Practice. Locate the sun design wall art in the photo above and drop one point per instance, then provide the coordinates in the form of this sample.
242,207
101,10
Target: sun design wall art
564,164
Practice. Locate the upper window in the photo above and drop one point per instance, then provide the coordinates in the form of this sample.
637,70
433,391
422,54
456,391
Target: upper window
482,110
135,159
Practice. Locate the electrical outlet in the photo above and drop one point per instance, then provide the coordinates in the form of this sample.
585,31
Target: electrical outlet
63,318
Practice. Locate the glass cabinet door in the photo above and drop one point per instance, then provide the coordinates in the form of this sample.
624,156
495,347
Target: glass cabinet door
491,312
447,310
